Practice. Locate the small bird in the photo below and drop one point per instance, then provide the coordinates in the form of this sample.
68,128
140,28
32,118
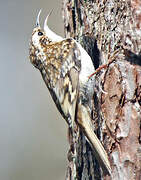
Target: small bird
65,67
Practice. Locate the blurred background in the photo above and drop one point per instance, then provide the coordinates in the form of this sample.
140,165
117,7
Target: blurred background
33,136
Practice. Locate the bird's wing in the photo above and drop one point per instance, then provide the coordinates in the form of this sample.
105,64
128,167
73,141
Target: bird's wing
61,74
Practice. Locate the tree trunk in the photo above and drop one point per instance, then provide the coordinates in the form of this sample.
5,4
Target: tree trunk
110,31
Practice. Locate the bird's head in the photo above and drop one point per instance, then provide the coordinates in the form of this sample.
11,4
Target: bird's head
38,43
40,39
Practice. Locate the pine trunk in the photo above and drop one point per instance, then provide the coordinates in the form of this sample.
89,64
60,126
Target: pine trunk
110,31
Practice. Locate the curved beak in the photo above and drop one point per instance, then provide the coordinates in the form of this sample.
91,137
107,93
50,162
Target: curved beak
46,20
38,19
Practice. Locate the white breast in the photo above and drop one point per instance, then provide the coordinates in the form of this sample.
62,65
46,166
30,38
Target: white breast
87,67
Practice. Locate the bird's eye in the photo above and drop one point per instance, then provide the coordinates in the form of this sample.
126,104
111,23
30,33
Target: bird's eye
40,33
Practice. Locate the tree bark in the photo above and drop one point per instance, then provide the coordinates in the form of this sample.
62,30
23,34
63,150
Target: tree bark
110,31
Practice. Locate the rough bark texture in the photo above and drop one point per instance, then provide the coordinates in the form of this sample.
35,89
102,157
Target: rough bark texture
110,31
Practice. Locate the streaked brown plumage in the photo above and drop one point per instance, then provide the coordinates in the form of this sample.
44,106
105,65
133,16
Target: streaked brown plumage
65,67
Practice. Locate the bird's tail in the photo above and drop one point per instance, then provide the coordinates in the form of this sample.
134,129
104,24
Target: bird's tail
83,119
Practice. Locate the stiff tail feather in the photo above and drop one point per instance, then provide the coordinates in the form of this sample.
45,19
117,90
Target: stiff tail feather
84,121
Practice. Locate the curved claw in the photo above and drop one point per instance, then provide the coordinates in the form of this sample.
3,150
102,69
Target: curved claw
38,18
46,20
